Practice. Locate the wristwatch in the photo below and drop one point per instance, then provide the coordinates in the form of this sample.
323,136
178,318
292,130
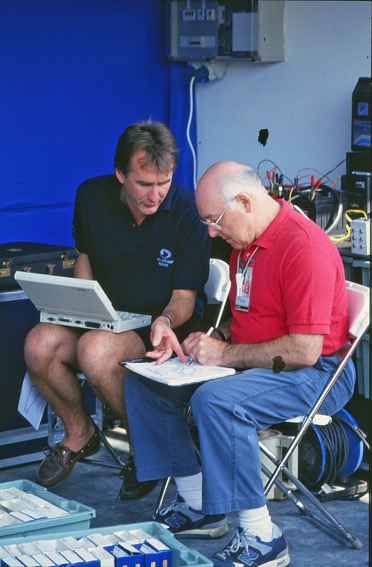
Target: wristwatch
169,319
220,334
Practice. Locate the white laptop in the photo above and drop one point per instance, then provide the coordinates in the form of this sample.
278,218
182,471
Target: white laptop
77,303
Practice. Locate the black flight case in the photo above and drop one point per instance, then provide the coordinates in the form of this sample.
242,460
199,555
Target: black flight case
19,442
34,257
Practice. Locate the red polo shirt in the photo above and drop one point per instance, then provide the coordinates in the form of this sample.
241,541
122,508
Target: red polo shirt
298,285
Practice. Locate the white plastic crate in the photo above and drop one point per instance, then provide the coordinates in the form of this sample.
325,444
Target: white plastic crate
72,515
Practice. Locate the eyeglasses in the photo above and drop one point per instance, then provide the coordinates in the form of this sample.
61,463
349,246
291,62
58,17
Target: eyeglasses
217,224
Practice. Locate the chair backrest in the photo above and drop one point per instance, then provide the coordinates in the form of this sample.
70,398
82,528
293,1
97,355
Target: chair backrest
218,286
358,302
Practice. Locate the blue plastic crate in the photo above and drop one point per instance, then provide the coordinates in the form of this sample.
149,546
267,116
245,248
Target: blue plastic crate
78,515
182,556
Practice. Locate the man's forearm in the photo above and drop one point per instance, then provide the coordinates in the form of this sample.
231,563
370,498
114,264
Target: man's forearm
289,352
180,308
83,268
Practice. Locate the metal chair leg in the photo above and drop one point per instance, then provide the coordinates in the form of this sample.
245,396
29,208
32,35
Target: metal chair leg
332,521
118,460
161,496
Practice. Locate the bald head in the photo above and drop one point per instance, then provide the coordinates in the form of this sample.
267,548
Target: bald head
226,179
232,200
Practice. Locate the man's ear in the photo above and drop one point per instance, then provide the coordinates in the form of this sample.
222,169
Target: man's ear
120,175
245,201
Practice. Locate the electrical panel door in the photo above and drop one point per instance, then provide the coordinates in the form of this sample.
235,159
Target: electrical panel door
201,30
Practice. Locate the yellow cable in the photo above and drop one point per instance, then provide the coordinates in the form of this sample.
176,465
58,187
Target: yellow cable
348,230
356,211
340,238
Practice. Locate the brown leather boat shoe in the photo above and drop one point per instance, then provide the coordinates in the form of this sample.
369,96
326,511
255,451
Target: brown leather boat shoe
60,461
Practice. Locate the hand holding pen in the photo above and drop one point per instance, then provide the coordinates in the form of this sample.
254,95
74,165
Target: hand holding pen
192,342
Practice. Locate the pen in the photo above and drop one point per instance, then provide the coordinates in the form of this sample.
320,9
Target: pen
209,332
143,359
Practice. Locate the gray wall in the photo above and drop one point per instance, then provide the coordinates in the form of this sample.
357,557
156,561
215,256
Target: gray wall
304,102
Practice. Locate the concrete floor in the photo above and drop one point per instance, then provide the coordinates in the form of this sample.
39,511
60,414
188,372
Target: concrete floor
310,543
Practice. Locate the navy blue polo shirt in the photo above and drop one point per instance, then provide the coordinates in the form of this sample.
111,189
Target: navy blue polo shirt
140,266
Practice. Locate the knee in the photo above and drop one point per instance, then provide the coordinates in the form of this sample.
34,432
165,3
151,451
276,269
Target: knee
95,357
40,345
212,405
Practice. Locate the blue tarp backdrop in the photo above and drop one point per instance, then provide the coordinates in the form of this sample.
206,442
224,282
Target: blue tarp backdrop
73,76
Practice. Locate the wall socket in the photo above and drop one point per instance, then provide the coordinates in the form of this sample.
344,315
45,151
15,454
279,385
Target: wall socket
360,236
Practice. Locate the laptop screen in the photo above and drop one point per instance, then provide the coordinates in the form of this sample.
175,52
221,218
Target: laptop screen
65,295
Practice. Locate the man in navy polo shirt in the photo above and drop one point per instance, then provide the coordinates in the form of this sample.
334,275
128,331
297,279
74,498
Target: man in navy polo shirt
138,234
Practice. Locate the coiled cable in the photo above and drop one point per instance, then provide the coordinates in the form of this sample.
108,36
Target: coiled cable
337,449
334,449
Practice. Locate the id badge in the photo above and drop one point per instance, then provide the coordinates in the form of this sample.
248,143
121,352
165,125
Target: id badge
243,289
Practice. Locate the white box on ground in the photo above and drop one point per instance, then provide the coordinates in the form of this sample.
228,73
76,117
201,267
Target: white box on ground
278,444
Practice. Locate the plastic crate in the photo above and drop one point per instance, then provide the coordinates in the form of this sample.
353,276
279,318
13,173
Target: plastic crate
362,360
78,515
181,555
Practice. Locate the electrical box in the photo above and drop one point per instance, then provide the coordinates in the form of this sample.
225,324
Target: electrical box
360,233
227,30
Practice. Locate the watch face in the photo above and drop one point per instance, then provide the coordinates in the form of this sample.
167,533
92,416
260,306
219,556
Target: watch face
168,318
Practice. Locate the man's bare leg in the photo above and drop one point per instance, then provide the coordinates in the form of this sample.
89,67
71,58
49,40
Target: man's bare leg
50,355
53,355
99,354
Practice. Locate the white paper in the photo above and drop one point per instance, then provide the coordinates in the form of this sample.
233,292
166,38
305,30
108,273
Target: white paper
176,373
31,403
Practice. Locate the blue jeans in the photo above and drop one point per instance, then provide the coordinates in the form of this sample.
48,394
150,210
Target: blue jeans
228,412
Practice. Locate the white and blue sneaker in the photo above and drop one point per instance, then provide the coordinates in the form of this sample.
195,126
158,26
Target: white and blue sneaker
248,550
183,520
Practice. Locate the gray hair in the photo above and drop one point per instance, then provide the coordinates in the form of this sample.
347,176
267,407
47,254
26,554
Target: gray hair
242,180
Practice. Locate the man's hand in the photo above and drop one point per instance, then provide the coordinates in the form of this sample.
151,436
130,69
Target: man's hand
204,349
164,342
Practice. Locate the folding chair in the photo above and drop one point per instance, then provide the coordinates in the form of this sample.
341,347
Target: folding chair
218,286
217,291
358,304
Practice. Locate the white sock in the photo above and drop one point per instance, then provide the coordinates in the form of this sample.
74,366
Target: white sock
190,488
258,521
